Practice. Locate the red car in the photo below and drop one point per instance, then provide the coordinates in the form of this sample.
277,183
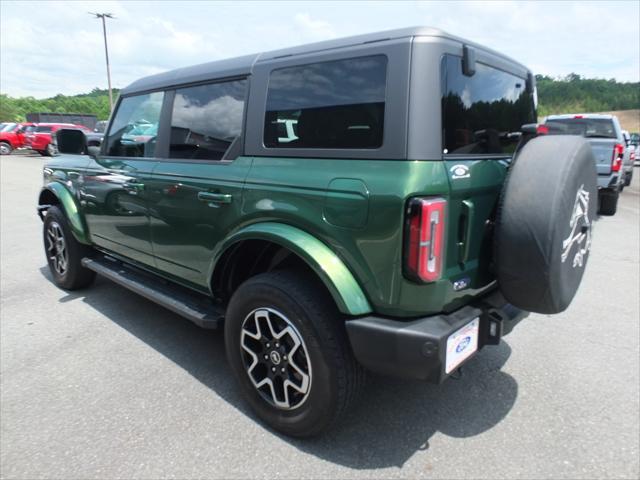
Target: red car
39,139
12,136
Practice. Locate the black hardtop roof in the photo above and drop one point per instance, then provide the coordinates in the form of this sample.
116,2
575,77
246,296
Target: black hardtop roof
241,66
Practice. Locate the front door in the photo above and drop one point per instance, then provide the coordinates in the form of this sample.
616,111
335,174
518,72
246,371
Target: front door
114,188
195,195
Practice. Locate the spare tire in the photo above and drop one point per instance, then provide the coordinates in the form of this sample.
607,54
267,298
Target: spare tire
544,221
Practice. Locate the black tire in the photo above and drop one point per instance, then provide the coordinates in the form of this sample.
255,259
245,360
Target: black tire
543,227
335,378
42,152
627,178
70,274
49,150
608,200
5,148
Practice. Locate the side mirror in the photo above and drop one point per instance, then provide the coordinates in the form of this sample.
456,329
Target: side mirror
468,61
93,151
71,140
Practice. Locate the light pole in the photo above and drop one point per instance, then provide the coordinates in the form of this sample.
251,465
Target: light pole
103,16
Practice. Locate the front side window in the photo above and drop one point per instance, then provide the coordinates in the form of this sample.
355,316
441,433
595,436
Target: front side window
135,126
482,114
206,120
337,104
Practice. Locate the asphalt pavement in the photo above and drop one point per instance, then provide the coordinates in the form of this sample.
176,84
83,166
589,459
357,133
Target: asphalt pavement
104,384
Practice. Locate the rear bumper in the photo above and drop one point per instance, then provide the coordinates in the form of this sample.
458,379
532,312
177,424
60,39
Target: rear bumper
608,181
417,348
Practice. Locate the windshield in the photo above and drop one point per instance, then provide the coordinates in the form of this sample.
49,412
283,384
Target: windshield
587,127
7,127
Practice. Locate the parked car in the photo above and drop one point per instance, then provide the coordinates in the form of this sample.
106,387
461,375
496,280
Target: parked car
609,148
629,159
12,136
39,139
394,233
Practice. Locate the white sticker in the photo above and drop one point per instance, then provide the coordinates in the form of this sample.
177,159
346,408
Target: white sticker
462,344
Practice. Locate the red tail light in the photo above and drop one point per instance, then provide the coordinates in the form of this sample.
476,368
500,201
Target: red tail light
616,160
542,130
424,239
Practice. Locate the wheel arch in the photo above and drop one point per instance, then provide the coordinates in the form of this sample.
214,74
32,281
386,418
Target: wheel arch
56,194
264,246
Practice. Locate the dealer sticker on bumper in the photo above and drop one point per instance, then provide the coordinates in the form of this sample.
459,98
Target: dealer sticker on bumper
462,344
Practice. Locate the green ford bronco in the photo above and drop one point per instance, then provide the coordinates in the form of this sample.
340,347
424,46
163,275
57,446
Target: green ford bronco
381,202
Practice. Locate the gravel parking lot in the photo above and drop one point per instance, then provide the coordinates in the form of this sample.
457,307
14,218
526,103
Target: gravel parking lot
104,384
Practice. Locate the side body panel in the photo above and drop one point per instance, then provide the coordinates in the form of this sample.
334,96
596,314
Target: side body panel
62,177
186,225
115,205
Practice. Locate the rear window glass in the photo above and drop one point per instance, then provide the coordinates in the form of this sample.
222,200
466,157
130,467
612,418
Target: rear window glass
337,104
206,120
587,127
43,129
482,114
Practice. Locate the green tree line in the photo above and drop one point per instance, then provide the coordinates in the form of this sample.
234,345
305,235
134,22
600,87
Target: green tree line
573,94
96,102
568,94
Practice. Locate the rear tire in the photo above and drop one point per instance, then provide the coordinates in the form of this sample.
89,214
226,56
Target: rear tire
64,253
297,304
608,202
5,148
627,178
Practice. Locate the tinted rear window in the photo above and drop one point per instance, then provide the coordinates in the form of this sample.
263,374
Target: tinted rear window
482,114
337,104
43,129
206,120
587,127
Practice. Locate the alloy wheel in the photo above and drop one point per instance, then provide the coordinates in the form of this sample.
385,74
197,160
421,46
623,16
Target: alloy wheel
57,248
275,358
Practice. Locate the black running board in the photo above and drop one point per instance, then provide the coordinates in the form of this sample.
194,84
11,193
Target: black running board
191,305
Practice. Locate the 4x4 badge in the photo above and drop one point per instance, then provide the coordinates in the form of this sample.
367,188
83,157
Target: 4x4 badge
459,171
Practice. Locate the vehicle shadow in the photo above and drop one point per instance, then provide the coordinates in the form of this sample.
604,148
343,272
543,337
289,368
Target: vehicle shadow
397,419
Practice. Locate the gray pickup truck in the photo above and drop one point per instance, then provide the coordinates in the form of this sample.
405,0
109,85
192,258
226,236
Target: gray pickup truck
609,149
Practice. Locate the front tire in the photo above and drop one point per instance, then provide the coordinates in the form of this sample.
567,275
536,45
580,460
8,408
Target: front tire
287,346
64,253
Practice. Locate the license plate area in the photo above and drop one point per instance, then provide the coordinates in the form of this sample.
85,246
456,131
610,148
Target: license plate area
461,344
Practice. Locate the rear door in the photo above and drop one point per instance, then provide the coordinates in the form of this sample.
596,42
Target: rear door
115,185
196,193
482,115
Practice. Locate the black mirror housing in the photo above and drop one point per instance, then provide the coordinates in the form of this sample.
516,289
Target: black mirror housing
71,141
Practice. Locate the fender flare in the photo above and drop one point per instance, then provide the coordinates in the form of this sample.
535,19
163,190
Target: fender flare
332,271
70,209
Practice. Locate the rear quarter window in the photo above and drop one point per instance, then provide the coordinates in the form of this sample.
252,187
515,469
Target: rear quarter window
44,129
483,113
329,105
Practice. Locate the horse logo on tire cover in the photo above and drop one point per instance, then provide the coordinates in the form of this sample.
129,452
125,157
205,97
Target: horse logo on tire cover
580,226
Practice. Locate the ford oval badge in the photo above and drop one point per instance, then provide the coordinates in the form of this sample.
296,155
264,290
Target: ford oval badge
464,343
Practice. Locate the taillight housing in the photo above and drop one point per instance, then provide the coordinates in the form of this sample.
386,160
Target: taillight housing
616,160
542,130
424,239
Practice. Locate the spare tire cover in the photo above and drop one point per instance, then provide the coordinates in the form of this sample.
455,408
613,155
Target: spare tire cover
544,222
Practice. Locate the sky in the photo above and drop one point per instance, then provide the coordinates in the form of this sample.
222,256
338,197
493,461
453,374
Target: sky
53,47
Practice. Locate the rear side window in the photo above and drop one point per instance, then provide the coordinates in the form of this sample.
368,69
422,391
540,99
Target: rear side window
482,114
134,128
43,129
338,104
206,120
587,127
